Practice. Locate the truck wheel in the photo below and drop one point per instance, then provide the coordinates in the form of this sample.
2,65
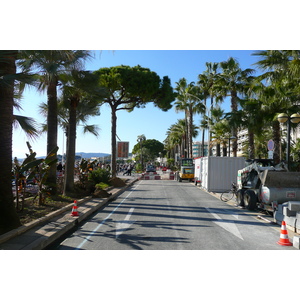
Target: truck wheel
179,178
250,199
240,198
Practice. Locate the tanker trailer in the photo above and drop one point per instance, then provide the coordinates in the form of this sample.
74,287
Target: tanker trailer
263,185
277,188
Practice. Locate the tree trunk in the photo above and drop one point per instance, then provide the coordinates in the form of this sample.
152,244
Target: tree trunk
71,149
234,108
186,142
251,145
52,133
190,133
113,140
276,138
9,218
203,133
218,150
224,149
210,133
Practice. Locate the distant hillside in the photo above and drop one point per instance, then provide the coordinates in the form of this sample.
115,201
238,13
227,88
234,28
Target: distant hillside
89,155
78,155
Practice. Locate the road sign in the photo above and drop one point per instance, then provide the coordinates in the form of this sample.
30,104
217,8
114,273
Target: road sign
270,145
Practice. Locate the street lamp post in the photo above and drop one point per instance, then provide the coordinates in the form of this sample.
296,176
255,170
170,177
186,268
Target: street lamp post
229,139
141,139
294,118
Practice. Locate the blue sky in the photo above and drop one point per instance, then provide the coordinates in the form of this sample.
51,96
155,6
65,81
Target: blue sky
149,121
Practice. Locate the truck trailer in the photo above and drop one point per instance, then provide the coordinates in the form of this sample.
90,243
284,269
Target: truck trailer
262,184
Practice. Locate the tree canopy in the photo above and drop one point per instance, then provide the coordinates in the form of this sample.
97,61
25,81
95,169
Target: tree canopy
130,87
155,147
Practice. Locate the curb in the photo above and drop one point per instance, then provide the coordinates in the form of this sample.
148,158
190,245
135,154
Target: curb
58,222
22,229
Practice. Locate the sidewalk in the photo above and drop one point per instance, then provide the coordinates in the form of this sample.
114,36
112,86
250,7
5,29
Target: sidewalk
39,234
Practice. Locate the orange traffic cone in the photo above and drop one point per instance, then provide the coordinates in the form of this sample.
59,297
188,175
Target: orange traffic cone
74,210
284,239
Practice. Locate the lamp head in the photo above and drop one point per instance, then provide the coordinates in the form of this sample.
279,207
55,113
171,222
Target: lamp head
282,118
295,118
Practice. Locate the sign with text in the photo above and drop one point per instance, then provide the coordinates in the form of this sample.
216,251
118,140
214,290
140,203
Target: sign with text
122,149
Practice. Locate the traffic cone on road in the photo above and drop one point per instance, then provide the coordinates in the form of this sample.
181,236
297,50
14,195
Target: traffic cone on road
284,238
74,210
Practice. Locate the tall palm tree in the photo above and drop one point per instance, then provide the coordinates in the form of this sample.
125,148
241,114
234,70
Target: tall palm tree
252,117
80,99
206,82
177,137
231,82
217,115
81,87
189,101
220,134
173,141
8,215
51,65
204,126
179,134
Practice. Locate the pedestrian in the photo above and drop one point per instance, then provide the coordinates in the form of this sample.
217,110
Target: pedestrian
129,169
59,167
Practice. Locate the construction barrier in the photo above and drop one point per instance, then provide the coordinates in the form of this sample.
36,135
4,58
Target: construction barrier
155,176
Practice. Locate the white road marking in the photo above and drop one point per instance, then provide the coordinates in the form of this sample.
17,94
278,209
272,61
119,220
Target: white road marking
124,225
87,238
231,227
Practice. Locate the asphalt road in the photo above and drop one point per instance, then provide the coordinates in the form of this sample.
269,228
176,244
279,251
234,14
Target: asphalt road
171,215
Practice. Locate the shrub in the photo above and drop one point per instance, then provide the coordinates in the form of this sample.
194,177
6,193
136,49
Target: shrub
99,175
101,186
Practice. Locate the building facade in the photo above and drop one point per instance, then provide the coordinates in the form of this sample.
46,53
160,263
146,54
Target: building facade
197,149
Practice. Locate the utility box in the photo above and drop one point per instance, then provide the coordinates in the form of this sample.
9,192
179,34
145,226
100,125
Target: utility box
217,173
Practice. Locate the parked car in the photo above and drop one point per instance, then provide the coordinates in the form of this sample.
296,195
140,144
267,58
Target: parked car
150,168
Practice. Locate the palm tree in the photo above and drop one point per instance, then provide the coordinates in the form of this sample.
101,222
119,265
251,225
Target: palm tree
179,134
8,215
232,82
220,134
217,115
81,87
279,90
51,65
253,119
204,125
206,82
80,100
177,137
172,142
189,101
